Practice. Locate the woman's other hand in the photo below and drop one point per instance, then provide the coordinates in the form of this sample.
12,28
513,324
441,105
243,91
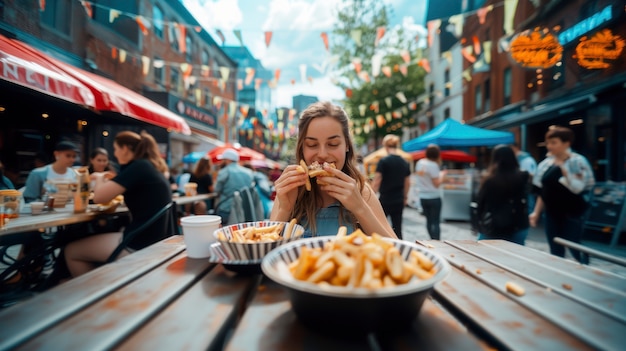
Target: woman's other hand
533,218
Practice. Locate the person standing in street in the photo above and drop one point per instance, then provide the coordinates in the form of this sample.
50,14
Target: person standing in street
428,181
502,198
563,180
528,164
392,182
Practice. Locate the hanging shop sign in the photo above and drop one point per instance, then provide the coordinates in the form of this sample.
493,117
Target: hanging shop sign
536,49
600,50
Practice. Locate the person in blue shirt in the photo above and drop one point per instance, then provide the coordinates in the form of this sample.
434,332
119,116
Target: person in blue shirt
231,178
345,199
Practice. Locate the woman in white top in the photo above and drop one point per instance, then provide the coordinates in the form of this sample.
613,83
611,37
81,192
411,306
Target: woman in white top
428,180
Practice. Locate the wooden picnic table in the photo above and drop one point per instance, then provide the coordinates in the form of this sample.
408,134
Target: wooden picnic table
158,299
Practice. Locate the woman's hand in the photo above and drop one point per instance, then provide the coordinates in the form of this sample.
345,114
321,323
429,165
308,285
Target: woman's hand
286,187
343,188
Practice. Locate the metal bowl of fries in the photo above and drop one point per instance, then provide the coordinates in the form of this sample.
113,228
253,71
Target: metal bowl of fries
253,240
355,283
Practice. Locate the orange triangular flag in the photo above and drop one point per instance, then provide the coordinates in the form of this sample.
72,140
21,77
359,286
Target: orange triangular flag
239,84
87,7
386,71
277,74
142,26
380,32
357,65
249,75
324,36
406,56
293,82
404,70
182,42
186,69
114,52
477,47
425,64
268,38
42,5
198,29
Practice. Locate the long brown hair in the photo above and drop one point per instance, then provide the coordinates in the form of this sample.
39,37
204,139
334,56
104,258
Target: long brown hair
309,202
202,167
143,146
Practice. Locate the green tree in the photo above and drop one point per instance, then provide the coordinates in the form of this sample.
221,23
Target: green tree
365,17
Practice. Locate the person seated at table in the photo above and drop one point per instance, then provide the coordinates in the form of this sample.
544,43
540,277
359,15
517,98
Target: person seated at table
146,191
263,188
99,162
65,154
202,176
345,199
231,178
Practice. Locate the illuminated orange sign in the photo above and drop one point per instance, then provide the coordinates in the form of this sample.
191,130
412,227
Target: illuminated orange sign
600,50
536,49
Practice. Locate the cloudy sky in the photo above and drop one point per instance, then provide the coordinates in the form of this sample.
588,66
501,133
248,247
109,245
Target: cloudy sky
296,41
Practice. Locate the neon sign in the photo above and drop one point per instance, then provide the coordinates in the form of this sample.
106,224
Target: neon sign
586,25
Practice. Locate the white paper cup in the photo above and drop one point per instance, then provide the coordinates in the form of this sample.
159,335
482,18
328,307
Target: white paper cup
36,207
198,234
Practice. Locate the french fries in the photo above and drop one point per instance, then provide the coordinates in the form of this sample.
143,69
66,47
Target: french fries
302,168
260,234
360,261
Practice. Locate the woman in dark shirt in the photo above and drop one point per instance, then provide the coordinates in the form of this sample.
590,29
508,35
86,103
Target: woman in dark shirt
201,176
503,195
142,182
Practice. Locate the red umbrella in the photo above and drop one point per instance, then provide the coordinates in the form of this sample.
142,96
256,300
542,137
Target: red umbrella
245,153
447,155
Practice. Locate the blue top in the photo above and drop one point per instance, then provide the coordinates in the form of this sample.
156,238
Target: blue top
5,183
327,221
230,179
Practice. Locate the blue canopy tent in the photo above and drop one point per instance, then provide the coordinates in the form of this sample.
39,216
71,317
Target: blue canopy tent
455,134
193,157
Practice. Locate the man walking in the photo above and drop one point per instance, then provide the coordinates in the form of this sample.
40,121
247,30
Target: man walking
392,182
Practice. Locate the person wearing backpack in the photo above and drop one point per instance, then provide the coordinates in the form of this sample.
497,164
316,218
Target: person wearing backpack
502,208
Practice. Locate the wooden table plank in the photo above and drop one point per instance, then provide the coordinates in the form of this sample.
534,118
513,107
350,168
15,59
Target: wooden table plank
476,291
45,310
60,216
107,322
269,323
603,297
199,318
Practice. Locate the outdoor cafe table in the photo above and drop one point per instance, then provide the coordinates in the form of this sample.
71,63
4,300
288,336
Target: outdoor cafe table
158,299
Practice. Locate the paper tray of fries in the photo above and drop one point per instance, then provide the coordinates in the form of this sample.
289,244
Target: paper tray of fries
351,284
253,240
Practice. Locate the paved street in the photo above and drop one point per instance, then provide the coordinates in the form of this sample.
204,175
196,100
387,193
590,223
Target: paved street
414,228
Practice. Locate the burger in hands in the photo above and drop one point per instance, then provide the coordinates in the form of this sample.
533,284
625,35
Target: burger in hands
314,170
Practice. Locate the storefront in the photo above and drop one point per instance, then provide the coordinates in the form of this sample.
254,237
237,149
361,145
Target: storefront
43,101
203,123
587,97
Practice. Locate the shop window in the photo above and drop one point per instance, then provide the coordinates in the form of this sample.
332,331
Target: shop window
446,113
205,57
207,97
56,15
478,100
174,80
125,26
157,16
172,33
189,49
158,73
507,84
